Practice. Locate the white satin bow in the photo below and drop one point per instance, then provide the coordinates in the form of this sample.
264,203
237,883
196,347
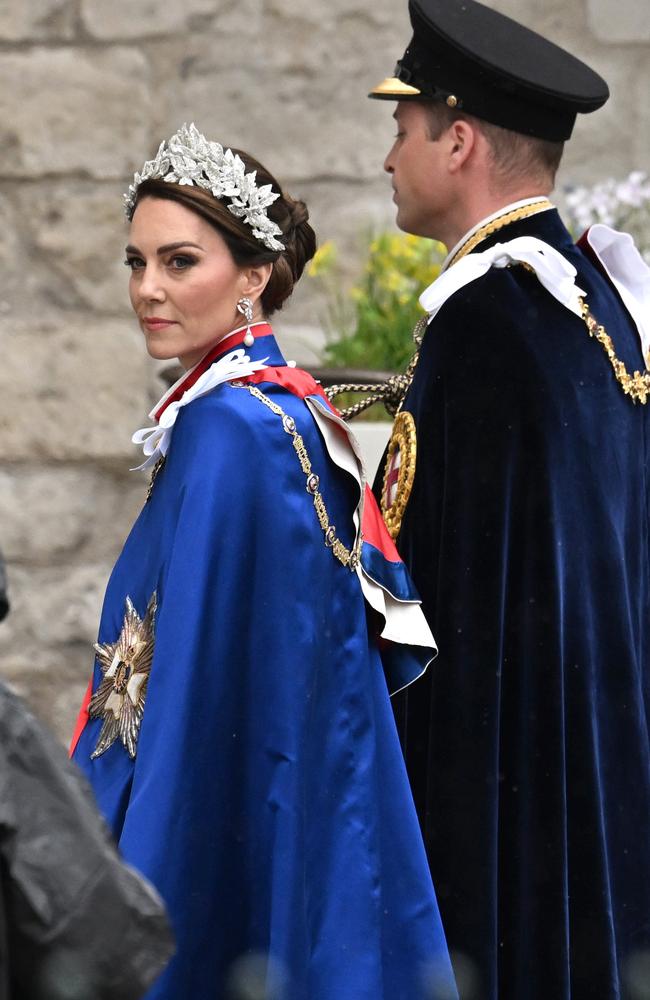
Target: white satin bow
155,440
554,272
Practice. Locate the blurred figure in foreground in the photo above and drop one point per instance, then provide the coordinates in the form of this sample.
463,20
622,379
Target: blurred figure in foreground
75,922
4,597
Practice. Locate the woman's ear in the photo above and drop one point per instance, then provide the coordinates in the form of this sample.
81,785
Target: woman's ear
255,279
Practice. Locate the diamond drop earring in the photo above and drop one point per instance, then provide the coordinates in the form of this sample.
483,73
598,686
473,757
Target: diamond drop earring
245,307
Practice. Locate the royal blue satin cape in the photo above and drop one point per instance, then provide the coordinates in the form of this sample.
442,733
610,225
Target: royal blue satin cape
268,801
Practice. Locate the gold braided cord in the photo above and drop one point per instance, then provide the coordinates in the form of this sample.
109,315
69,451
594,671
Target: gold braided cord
418,333
356,408
516,215
348,558
391,392
636,386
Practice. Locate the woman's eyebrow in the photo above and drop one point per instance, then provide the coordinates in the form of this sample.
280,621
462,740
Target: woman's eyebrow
167,247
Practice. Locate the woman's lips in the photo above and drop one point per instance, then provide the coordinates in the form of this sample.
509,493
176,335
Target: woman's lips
156,322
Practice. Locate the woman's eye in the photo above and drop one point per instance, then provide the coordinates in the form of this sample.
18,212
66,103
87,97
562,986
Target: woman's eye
135,263
181,261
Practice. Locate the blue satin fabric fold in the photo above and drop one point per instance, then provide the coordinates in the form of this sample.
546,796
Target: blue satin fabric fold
393,576
268,800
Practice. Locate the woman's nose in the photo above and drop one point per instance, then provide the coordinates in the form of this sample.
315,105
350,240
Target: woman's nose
151,286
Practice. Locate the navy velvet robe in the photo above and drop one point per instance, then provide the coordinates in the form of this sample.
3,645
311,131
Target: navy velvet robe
527,537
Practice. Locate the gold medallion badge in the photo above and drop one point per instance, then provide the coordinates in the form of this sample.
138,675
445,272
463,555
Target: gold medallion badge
399,472
126,665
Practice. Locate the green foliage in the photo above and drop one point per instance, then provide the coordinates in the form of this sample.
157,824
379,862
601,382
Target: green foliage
371,327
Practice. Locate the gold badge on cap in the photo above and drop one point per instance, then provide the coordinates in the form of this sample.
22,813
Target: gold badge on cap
399,472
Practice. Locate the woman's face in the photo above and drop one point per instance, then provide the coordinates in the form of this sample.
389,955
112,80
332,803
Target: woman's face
184,283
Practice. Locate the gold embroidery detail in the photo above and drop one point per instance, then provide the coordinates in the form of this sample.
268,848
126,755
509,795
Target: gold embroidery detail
516,215
348,558
402,446
154,473
126,665
636,386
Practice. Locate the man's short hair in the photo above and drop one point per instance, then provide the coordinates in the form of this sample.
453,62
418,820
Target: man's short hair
514,156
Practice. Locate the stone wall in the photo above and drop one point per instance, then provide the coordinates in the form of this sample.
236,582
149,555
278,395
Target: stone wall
87,89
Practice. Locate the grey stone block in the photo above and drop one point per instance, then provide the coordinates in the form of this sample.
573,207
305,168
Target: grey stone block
623,21
46,642
73,392
606,143
37,20
77,233
74,513
94,120
54,607
147,18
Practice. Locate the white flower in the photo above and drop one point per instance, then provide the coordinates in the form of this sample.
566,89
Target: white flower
623,204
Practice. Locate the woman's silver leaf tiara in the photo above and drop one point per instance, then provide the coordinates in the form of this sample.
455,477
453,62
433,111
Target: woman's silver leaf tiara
189,158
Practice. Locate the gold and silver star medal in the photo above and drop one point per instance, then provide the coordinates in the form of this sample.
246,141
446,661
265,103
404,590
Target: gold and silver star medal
126,665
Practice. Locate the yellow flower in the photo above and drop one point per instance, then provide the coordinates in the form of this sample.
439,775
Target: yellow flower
323,260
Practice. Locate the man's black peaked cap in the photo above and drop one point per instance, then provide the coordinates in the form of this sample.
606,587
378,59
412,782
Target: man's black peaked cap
482,62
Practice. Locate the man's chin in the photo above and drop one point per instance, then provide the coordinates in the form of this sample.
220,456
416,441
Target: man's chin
415,227
408,224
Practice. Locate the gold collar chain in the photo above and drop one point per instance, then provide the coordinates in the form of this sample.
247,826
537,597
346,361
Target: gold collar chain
515,215
636,386
350,558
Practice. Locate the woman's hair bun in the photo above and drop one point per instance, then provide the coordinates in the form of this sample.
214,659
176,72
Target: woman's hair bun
298,212
299,247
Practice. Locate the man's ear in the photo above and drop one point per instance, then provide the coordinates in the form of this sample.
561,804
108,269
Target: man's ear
461,137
